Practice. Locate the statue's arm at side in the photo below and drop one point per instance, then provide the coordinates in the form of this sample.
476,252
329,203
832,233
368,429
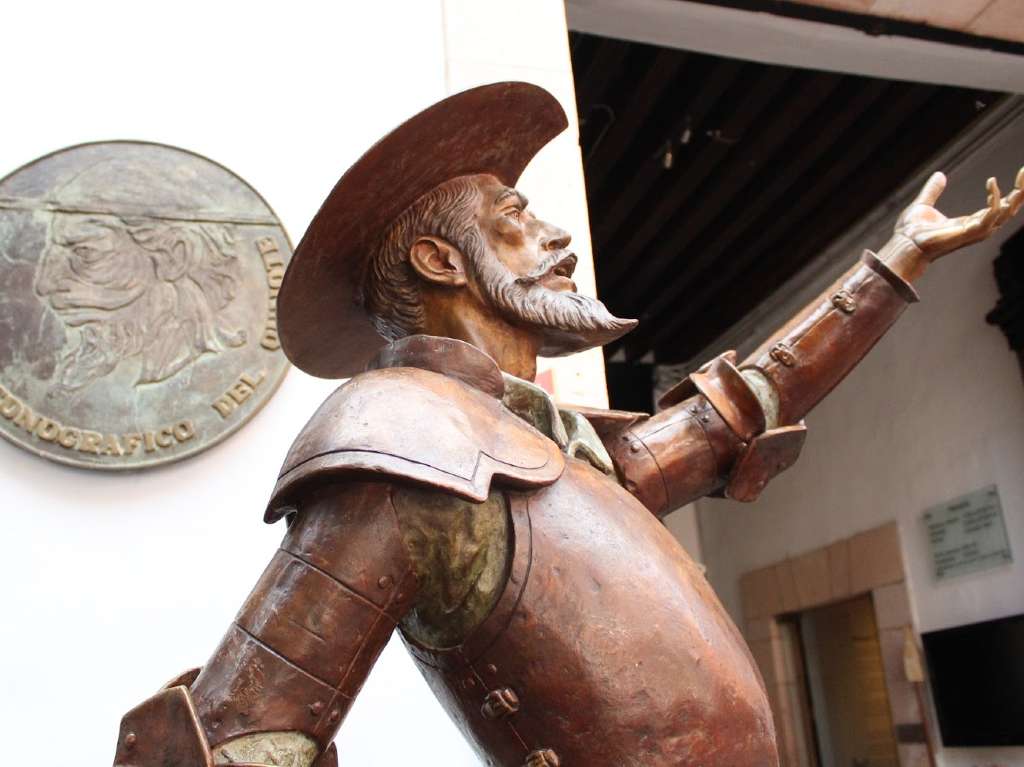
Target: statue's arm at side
730,428
289,666
286,672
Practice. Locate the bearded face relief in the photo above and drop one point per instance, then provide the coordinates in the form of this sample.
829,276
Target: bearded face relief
138,317
138,290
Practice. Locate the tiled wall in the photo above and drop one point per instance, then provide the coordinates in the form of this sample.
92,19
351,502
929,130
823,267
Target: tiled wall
869,562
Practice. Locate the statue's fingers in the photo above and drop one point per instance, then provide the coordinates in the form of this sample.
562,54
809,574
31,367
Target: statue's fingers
995,197
990,216
932,189
975,227
1014,200
1008,206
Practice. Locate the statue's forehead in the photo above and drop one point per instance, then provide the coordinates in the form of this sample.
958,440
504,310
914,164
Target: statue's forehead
489,185
69,228
511,194
497,192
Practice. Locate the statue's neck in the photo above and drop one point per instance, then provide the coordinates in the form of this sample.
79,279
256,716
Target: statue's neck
515,353
513,348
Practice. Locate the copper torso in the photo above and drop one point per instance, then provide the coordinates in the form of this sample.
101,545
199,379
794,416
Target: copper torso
607,646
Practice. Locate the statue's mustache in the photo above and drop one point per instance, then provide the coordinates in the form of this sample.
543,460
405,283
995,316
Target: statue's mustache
562,261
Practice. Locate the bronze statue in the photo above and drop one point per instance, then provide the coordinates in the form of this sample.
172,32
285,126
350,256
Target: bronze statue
516,545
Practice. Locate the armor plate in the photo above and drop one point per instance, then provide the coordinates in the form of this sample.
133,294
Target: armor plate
607,647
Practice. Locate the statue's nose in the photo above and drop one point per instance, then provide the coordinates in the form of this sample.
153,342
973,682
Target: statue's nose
555,238
48,277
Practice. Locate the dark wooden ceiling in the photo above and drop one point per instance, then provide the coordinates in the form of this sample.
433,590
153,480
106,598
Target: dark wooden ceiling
711,181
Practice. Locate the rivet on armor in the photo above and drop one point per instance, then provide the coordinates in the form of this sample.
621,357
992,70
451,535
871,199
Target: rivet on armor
783,355
634,447
500,703
385,581
335,716
316,708
844,302
492,669
542,757
130,740
705,419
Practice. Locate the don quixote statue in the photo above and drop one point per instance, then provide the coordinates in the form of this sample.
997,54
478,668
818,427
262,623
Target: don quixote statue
516,545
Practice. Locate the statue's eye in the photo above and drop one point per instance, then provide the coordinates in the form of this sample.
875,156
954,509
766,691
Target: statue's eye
515,214
87,255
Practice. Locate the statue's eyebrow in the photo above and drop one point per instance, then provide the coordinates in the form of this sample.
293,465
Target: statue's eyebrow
507,192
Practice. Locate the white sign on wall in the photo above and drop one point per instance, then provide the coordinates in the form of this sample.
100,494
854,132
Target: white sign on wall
968,534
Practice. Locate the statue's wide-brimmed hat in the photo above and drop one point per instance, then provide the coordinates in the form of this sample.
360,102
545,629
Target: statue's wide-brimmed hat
494,129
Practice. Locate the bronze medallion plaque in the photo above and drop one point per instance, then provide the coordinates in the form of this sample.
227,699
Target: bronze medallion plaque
138,287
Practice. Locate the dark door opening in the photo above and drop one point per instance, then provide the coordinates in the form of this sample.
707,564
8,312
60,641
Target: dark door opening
846,683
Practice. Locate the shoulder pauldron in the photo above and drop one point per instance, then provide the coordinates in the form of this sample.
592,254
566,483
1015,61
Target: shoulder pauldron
420,426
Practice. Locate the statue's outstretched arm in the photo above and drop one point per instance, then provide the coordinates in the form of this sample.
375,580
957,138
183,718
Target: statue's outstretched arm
730,428
284,676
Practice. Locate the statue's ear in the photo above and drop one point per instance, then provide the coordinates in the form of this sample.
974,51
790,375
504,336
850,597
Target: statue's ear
436,261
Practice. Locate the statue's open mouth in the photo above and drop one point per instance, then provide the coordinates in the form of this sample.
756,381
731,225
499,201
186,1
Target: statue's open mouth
566,266
555,273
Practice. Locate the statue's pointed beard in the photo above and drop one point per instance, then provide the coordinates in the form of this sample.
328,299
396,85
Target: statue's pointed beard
567,322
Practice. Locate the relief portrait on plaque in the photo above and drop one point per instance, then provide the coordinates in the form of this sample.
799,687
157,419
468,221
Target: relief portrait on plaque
138,287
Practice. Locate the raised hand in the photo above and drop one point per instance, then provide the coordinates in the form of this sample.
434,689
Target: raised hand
935,235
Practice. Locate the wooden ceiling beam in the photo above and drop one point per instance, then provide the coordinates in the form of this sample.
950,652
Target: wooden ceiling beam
631,116
748,214
605,65
643,227
638,181
787,204
906,147
731,184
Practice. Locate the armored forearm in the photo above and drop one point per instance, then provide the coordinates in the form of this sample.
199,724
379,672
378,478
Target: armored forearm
729,429
678,455
285,674
795,368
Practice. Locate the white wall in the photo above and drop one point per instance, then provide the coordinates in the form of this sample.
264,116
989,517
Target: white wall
935,411
684,524
115,583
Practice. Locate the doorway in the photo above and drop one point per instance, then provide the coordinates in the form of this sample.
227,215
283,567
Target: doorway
849,703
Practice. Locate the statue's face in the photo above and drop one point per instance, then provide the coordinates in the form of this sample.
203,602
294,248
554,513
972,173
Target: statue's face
91,271
528,247
148,290
523,269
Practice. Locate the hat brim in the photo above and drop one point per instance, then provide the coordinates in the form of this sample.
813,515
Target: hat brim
494,129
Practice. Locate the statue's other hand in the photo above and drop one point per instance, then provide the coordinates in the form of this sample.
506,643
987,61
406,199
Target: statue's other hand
935,234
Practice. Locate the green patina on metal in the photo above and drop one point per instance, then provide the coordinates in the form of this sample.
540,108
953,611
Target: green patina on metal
460,554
